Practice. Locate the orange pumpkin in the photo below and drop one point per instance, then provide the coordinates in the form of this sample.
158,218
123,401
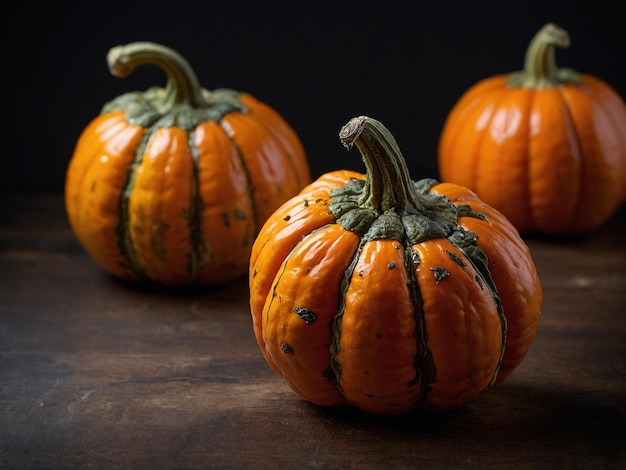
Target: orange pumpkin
171,185
388,294
546,146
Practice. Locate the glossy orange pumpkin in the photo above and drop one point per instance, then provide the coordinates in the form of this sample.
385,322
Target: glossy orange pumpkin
388,294
546,146
171,185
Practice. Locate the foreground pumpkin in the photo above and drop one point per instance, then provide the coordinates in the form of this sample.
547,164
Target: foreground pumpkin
172,185
388,294
546,146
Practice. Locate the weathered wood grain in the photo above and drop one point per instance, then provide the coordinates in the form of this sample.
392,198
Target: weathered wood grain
97,373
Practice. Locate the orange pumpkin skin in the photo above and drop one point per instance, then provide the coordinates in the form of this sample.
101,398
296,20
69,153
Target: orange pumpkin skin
545,146
381,322
174,191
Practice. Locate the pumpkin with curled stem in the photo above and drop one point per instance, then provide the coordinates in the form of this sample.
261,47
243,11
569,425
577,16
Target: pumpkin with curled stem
546,146
171,185
387,294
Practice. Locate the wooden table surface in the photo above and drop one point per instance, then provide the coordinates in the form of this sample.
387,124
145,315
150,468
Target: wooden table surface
98,374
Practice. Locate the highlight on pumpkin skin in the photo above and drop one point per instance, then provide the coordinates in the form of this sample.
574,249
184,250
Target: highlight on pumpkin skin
302,214
179,195
309,280
458,328
403,312
94,186
226,218
283,133
511,265
545,145
375,352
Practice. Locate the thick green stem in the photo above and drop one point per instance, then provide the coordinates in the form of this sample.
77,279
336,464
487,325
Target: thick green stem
183,87
388,183
540,69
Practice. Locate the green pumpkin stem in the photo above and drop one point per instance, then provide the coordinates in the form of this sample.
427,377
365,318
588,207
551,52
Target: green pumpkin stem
388,183
183,87
540,69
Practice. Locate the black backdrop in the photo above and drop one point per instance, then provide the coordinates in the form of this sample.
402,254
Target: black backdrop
317,63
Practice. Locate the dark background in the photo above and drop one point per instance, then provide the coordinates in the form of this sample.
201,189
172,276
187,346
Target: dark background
318,64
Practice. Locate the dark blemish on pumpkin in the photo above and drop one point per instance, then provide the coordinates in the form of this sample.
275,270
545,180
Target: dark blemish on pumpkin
329,375
226,219
480,282
397,247
392,265
286,218
306,314
456,258
415,258
93,186
378,335
286,348
255,272
239,214
306,203
439,273
245,239
414,381
317,201
157,237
